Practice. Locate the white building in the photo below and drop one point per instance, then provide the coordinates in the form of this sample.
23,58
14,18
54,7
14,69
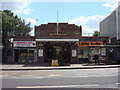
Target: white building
110,26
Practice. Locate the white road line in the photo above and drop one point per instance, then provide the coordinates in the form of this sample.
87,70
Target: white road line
76,76
54,75
38,77
27,75
60,86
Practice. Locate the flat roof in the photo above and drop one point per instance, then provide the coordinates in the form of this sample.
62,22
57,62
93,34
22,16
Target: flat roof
106,46
57,39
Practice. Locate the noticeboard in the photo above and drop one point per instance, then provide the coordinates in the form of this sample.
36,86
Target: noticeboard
40,52
103,51
74,53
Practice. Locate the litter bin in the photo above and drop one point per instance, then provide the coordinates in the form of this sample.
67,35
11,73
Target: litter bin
54,63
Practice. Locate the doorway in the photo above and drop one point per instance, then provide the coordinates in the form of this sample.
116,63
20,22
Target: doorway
16,55
59,52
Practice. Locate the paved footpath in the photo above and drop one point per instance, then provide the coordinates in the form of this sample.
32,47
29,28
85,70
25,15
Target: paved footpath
72,66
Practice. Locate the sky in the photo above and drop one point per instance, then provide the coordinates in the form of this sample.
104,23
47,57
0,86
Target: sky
87,13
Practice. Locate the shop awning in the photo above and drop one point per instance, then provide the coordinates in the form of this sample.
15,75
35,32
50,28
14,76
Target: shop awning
67,40
106,46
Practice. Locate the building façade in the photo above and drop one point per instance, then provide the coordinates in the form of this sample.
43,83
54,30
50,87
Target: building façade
61,41
110,27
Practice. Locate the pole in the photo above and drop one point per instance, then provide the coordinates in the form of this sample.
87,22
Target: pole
117,22
57,23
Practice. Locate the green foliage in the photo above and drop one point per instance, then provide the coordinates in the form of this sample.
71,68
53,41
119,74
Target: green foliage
13,26
96,34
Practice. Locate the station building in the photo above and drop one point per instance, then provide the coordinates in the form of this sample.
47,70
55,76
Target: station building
61,41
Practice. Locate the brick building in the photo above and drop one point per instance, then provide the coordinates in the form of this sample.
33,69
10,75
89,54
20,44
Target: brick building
51,41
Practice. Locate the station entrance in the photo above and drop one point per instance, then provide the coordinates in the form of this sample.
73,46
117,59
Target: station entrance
61,53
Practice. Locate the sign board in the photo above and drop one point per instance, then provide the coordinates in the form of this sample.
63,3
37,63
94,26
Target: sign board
74,53
103,51
40,52
24,43
84,44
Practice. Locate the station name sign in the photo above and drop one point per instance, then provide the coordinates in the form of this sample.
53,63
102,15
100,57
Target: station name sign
24,43
90,43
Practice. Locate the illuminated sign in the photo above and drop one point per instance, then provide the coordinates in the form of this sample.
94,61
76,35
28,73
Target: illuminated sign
24,44
90,43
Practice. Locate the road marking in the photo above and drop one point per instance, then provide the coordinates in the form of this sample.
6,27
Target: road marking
54,75
81,74
76,76
27,75
117,83
60,86
38,77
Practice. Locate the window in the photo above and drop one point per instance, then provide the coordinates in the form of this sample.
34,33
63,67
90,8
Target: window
81,51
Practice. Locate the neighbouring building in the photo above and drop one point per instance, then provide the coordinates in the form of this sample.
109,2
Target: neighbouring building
110,27
20,49
88,46
61,41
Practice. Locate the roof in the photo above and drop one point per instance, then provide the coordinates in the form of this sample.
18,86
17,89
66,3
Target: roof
106,46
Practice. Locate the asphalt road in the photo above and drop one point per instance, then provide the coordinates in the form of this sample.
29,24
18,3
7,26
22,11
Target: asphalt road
74,78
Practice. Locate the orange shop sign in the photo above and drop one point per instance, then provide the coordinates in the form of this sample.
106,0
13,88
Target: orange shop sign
90,43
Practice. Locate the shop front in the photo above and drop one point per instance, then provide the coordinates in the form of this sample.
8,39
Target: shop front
86,53
108,54
24,52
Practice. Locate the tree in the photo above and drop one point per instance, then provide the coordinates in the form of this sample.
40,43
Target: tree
13,26
96,34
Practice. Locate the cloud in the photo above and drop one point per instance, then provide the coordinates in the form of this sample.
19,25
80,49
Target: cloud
89,24
27,11
30,20
33,22
113,4
18,6
32,33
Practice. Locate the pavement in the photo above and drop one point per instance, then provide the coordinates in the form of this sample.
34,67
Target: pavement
38,67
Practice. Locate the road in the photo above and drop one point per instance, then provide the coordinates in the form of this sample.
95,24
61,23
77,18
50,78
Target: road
74,78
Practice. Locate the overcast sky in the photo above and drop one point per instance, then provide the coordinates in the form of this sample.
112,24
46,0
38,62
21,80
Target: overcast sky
79,12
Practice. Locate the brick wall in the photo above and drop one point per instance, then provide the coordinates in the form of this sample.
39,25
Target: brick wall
65,30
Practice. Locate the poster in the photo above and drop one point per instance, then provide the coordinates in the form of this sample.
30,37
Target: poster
40,52
74,53
103,51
